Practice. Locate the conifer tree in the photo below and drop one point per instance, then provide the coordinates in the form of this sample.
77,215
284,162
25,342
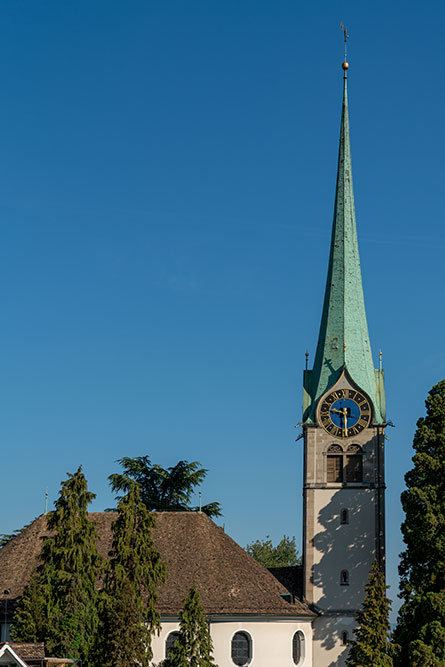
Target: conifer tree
163,489
420,633
193,648
59,605
371,645
128,612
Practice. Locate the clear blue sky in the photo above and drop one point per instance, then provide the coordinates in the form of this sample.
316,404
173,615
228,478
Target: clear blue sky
167,177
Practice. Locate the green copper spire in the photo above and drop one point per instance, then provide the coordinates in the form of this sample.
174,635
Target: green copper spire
343,342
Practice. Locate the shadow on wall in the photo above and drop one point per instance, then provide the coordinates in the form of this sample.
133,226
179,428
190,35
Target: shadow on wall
343,546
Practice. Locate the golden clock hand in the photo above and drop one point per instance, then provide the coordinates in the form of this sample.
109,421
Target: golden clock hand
345,417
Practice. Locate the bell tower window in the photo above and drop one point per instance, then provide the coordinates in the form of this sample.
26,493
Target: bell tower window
344,467
354,468
335,468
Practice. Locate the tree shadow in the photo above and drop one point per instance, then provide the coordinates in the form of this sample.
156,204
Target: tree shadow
349,547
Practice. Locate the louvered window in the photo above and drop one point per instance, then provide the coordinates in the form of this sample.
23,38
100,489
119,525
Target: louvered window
354,468
335,468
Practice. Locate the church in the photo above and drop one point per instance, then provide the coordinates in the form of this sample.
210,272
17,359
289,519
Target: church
284,617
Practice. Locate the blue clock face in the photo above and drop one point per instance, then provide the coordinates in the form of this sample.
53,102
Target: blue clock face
344,413
343,409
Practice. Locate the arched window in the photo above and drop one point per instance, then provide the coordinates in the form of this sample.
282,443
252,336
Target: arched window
170,641
241,649
298,647
344,638
344,578
344,516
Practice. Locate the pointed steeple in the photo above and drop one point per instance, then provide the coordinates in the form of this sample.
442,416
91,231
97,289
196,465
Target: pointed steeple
343,342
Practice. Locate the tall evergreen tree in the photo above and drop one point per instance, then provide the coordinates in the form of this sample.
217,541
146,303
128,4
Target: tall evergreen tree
420,633
193,648
59,605
371,645
128,612
162,489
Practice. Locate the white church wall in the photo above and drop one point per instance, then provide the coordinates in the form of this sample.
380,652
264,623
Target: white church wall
329,647
271,641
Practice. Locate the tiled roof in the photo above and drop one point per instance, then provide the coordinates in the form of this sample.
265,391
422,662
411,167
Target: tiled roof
28,651
195,551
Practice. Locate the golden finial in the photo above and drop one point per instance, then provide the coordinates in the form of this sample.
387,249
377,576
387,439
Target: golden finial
380,359
345,64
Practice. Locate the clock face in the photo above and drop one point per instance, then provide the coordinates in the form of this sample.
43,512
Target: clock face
345,413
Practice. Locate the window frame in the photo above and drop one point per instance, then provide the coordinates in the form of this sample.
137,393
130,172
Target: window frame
302,647
340,461
249,648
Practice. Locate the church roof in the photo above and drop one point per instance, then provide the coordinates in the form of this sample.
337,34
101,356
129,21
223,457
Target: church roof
8,653
195,550
343,342
28,650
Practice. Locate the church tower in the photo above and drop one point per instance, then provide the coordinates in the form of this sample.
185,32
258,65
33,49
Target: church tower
343,427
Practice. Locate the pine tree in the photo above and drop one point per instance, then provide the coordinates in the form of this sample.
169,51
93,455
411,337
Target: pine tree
371,645
128,613
30,617
420,633
59,605
193,648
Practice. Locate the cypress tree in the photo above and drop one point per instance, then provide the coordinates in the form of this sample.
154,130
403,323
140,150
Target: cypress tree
371,645
420,633
193,648
128,612
59,605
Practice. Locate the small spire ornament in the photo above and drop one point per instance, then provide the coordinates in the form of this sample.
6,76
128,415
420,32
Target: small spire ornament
345,64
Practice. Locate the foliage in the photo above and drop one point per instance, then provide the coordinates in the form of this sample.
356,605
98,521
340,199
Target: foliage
193,648
420,633
162,489
128,610
59,605
371,645
285,553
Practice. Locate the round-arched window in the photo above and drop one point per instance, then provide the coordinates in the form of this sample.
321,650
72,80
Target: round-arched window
241,649
170,641
298,647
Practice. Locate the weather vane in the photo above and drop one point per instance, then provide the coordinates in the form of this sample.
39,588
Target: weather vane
345,64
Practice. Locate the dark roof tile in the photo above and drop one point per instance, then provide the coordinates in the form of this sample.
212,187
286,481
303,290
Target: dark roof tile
195,551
